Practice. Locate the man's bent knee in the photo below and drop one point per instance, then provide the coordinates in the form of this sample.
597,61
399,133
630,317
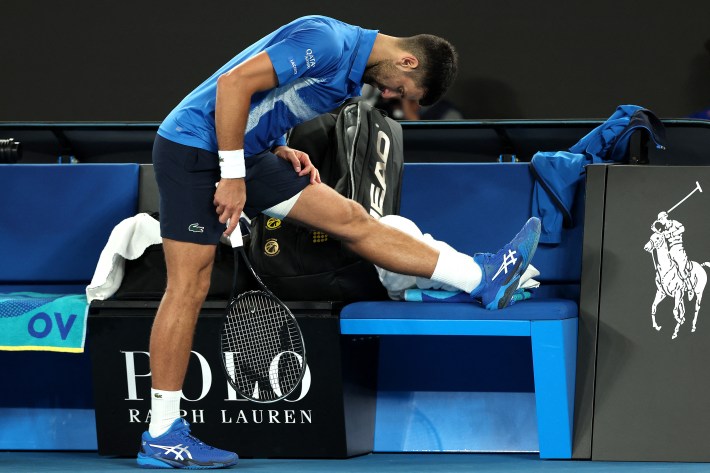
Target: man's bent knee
357,222
322,208
352,222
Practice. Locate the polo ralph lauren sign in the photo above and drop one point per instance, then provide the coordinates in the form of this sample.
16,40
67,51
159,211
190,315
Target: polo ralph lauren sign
316,420
652,330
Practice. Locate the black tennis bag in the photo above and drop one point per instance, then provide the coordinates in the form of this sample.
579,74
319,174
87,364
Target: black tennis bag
358,152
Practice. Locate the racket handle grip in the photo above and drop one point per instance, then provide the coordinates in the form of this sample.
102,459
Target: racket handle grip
236,238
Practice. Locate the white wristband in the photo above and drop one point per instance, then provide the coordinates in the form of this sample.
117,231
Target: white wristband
231,164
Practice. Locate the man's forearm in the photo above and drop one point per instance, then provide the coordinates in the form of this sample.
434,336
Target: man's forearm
231,113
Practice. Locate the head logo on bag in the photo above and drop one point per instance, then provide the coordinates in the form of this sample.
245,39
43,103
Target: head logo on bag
378,187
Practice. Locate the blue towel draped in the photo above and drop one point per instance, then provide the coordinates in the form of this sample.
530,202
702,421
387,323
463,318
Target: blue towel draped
557,173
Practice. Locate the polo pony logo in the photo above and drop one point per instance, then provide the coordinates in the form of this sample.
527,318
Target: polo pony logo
676,276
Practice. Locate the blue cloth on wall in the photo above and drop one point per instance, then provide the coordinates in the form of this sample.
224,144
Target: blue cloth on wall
558,173
79,205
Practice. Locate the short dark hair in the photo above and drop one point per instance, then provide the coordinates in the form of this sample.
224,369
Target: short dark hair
439,62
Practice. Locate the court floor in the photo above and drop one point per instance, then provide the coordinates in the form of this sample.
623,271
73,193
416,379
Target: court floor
90,462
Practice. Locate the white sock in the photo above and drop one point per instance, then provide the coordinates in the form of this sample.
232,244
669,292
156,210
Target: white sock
458,270
164,409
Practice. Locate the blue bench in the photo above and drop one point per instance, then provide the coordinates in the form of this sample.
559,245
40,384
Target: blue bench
476,207
56,220
80,204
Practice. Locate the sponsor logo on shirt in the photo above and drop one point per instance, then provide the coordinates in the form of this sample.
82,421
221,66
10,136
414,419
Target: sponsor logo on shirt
295,68
310,58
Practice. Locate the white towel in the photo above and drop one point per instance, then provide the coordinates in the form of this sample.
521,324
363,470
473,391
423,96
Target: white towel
128,240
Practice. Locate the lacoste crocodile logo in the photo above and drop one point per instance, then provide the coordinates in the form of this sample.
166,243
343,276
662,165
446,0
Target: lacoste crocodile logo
195,227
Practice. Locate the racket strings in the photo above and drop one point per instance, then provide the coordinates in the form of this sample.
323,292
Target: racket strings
265,345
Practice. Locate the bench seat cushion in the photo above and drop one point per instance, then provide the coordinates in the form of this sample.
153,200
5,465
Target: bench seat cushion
440,318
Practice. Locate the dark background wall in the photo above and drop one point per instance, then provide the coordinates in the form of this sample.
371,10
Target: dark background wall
130,60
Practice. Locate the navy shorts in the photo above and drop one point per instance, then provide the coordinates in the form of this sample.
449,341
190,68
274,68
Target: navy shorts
186,179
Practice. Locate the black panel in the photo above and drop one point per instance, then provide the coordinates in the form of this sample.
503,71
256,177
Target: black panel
650,402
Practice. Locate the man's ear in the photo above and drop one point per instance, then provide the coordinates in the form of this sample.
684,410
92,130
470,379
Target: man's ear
408,61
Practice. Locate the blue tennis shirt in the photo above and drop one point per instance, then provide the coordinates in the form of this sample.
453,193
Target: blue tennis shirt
319,63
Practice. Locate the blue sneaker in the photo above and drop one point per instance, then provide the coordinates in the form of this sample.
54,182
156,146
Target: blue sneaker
502,271
176,448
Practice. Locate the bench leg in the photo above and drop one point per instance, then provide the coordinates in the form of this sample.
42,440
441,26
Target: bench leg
554,348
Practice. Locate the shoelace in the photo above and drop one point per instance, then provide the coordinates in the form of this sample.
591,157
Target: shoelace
186,433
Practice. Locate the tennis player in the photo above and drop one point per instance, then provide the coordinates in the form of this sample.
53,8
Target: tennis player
230,130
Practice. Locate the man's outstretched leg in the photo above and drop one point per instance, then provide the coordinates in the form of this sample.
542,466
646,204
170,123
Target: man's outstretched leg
397,284
322,208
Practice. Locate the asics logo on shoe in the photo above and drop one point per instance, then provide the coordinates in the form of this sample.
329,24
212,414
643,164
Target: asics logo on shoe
177,450
509,259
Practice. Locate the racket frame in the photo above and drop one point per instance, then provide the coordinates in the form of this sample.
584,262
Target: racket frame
237,243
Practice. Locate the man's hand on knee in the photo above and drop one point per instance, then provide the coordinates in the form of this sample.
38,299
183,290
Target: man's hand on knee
300,161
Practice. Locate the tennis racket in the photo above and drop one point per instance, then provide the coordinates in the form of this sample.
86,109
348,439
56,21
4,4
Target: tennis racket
263,353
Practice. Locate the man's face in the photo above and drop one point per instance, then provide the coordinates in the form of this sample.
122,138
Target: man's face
393,82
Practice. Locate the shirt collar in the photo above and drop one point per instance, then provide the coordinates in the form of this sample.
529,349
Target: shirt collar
362,54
